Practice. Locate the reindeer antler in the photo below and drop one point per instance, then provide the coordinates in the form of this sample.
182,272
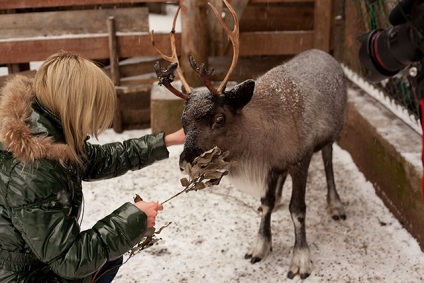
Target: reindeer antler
234,37
203,74
166,76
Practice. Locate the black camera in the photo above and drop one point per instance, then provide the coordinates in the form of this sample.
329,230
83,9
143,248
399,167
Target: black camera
384,52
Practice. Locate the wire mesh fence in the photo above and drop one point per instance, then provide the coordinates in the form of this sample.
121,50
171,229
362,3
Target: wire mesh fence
358,17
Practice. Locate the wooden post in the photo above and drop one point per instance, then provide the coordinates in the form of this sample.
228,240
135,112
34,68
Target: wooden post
194,37
113,51
114,71
323,14
117,123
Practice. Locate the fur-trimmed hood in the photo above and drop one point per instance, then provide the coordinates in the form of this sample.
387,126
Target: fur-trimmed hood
26,133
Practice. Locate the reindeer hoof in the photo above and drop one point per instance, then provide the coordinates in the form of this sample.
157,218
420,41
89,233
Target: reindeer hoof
336,210
290,275
255,260
338,217
304,275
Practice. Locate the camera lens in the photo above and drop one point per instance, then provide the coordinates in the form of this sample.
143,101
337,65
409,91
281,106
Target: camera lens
385,52
368,59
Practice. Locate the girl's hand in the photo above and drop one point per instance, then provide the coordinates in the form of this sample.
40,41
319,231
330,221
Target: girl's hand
175,138
151,210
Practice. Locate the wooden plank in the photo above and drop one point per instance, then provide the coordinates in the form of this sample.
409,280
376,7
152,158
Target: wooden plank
23,4
139,80
137,65
239,7
135,116
281,1
157,8
246,68
93,47
133,107
322,24
72,22
134,97
277,17
275,43
250,67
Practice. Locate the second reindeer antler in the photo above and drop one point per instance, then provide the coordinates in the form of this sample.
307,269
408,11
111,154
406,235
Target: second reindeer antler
166,76
234,37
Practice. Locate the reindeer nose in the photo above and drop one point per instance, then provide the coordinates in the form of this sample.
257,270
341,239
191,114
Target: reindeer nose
187,157
189,153
185,167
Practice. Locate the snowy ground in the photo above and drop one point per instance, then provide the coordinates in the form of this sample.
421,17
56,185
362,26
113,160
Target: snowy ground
212,229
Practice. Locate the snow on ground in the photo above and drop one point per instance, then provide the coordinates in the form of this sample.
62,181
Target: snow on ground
211,229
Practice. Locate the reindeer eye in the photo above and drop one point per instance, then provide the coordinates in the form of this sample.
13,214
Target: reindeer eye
219,120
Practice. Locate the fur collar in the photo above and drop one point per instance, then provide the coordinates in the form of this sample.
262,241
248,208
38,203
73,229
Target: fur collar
15,133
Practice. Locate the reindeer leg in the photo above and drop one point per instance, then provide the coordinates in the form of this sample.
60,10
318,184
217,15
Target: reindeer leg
279,190
334,204
301,261
261,248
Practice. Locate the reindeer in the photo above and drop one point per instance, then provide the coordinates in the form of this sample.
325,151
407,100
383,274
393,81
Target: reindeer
271,127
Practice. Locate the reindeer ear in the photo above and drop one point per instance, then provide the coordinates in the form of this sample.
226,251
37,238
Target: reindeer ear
241,94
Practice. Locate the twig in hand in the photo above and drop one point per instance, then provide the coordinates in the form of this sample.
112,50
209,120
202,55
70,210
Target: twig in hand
149,237
149,240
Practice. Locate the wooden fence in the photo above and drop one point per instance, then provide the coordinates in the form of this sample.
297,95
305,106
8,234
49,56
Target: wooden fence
26,37
114,30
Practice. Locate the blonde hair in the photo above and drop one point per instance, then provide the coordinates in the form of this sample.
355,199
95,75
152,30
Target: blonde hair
80,94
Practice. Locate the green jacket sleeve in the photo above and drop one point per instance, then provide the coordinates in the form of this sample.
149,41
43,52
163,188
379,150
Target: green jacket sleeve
46,223
115,159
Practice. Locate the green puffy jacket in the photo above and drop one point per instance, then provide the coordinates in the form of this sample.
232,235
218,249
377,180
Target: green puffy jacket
40,201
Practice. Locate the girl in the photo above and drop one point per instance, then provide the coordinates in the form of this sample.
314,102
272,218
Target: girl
45,156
